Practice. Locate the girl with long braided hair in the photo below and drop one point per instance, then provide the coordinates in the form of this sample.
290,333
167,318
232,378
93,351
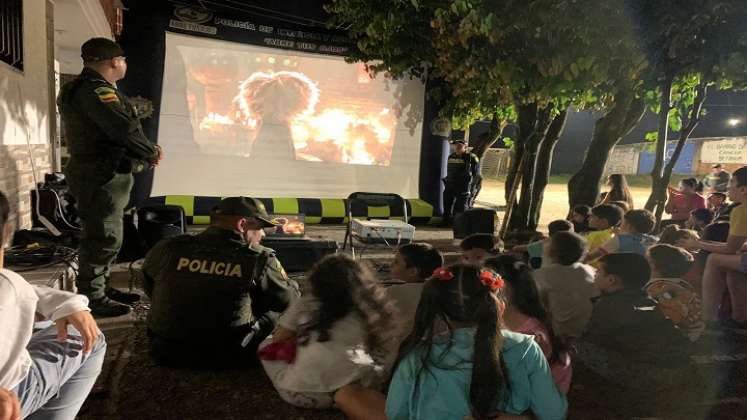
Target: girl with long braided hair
459,362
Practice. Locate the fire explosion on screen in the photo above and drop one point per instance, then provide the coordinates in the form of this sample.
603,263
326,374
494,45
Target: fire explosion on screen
286,114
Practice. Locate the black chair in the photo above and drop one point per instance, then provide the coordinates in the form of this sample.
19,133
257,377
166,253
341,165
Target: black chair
357,204
159,222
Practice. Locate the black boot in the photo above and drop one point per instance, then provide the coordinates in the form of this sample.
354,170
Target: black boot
107,308
122,297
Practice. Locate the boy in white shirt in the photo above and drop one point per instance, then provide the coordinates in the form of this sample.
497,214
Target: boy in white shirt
47,373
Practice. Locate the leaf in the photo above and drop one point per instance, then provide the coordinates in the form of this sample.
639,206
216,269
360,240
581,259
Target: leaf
651,136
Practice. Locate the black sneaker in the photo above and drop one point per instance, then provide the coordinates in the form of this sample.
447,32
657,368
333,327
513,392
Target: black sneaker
122,297
107,308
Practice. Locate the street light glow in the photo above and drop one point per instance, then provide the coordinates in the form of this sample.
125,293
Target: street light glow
733,122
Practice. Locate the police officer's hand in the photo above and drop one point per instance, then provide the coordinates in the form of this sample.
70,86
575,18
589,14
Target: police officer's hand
10,407
159,156
84,323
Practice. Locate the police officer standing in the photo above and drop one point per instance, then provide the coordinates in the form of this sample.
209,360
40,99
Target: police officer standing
106,145
462,170
216,295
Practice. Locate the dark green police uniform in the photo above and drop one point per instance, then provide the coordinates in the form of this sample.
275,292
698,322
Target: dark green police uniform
462,171
209,292
106,144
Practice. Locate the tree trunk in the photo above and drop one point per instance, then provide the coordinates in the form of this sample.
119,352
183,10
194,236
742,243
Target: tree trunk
693,121
536,125
544,163
526,116
658,195
625,112
484,141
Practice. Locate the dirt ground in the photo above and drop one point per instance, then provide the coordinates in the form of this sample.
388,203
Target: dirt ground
555,199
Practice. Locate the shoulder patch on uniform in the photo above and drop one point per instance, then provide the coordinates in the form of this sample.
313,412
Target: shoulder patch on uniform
106,94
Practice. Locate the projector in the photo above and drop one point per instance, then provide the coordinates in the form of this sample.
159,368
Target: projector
388,231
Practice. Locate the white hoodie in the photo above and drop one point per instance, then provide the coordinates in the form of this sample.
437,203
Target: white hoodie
19,303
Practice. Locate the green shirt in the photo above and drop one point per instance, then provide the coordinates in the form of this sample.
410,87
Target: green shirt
101,125
212,285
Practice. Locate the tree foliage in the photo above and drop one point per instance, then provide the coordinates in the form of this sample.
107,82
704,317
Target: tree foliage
691,45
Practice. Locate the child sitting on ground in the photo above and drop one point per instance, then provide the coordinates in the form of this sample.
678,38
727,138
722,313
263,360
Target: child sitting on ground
478,247
699,219
628,341
675,297
413,264
536,249
726,268
474,368
604,219
633,236
340,333
526,314
673,234
580,218
567,285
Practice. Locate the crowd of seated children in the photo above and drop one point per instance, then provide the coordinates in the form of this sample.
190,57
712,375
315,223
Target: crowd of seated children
567,285
699,219
341,332
525,313
473,368
413,264
603,220
478,247
633,236
676,298
537,250
726,266
623,206
627,341
580,218
683,200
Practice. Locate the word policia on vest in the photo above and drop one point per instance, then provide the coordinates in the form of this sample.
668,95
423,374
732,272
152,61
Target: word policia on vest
209,267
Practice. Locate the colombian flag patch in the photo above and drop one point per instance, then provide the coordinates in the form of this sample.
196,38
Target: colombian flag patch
106,94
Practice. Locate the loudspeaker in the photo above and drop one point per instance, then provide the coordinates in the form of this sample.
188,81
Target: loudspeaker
476,220
299,254
159,222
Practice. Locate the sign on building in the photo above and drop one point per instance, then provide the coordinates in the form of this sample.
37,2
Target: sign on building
683,166
623,160
724,151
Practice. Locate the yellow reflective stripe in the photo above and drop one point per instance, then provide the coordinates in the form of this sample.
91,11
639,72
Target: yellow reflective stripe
187,202
285,206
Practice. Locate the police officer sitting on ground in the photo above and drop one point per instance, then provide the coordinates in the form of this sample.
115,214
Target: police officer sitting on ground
462,170
216,295
107,145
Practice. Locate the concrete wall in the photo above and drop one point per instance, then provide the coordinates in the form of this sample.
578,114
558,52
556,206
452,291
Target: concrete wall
26,104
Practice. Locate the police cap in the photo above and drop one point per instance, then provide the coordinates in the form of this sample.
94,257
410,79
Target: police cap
98,49
244,206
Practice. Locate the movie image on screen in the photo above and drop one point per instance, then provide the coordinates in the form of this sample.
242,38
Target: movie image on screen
304,111
274,123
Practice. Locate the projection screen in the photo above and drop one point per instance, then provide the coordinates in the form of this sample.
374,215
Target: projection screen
239,119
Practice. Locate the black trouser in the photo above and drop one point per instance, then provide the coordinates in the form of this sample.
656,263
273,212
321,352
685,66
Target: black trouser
211,353
456,200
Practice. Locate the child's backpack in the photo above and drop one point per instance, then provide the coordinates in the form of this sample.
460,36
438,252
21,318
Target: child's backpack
679,303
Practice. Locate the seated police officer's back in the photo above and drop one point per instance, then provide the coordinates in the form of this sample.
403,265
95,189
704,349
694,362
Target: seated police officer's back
215,295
